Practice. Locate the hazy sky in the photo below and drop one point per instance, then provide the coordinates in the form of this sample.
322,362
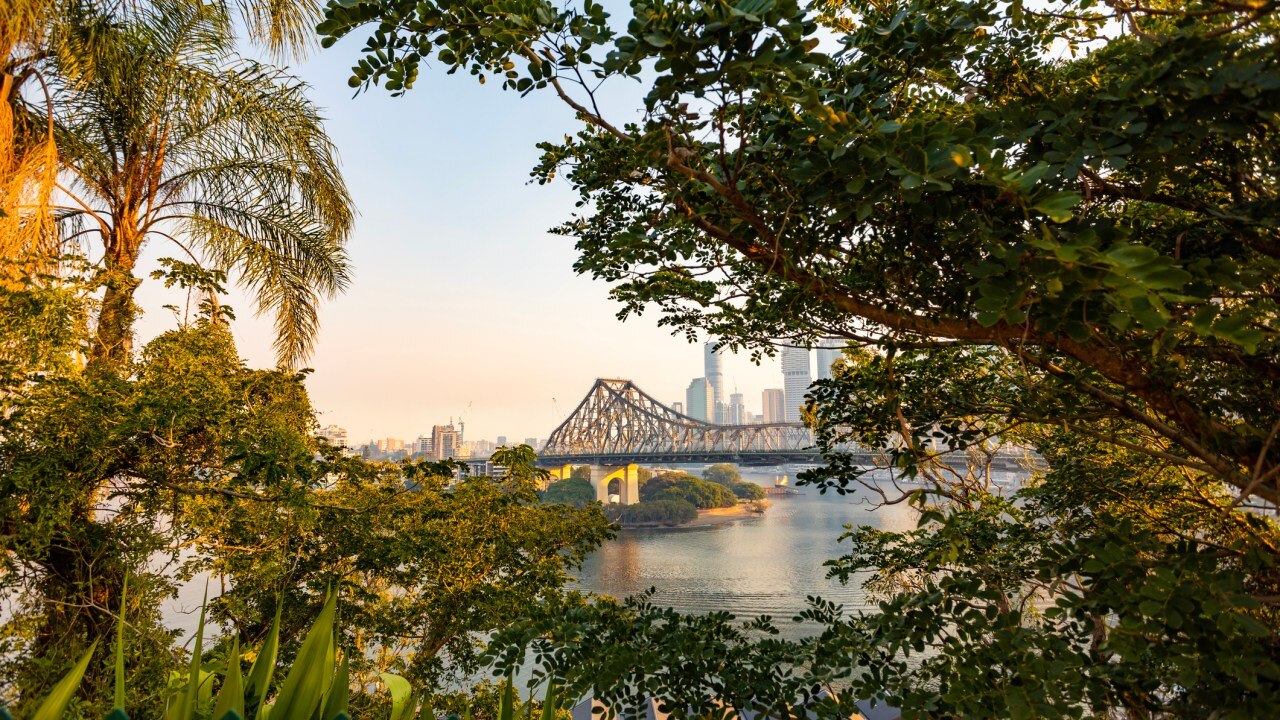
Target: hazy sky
462,304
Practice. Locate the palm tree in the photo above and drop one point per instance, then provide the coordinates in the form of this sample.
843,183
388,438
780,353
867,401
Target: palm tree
167,135
28,156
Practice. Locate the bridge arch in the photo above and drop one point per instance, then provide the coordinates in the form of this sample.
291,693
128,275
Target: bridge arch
628,477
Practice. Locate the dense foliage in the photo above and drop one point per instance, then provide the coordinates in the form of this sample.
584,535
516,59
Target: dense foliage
575,491
727,475
678,485
662,511
191,463
1053,224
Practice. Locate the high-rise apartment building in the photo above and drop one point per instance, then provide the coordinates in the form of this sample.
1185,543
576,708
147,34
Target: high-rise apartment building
444,441
737,411
829,350
533,443
773,403
796,379
698,402
714,374
502,441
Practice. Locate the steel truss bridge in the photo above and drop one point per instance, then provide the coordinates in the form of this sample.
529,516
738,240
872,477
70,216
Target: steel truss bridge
617,423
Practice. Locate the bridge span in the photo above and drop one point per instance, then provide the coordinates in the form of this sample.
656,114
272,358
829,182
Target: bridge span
618,427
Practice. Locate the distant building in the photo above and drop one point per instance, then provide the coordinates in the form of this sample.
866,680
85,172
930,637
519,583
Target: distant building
774,406
796,379
390,445
737,412
334,435
482,448
502,441
715,381
829,350
422,446
445,440
533,443
678,407
698,400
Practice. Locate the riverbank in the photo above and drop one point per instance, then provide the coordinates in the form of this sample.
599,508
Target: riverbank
706,518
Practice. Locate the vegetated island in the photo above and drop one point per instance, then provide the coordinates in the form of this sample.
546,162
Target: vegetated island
673,499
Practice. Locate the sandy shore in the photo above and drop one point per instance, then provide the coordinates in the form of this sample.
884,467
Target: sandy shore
706,518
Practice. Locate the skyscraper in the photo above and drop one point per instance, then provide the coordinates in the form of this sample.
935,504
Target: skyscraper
697,400
829,350
795,380
737,413
773,405
715,380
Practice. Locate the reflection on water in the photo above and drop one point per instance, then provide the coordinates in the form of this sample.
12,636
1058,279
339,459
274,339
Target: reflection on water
758,566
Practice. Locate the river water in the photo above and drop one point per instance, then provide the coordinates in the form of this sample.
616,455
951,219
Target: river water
756,566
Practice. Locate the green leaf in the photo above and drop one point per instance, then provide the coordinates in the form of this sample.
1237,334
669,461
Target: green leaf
506,706
1059,206
400,691
304,687
339,692
191,697
263,667
56,702
231,694
889,127
119,698
549,702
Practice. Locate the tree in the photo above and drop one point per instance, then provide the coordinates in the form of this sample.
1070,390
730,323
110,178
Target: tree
699,493
1050,225
574,491
723,473
666,512
425,573
727,474
190,462
657,483
168,135
29,163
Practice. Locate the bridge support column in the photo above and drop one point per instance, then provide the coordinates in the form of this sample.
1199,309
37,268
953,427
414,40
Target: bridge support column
562,473
628,477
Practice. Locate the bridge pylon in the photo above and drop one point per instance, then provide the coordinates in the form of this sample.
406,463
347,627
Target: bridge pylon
628,477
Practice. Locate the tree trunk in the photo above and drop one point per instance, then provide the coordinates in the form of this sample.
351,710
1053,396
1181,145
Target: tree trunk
113,341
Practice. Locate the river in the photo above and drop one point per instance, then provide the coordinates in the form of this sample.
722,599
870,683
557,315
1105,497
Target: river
757,566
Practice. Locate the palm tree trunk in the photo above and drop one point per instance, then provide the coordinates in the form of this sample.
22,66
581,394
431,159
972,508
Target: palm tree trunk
114,335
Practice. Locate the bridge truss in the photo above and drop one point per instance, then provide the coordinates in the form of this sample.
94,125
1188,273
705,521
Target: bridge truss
618,423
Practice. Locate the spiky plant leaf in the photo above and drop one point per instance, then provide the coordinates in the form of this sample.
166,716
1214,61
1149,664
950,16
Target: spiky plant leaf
506,706
263,667
339,692
231,694
55,704
304,687
424,710
119,663
549,702
191,697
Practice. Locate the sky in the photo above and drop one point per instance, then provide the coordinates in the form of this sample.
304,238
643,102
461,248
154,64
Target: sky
463,305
